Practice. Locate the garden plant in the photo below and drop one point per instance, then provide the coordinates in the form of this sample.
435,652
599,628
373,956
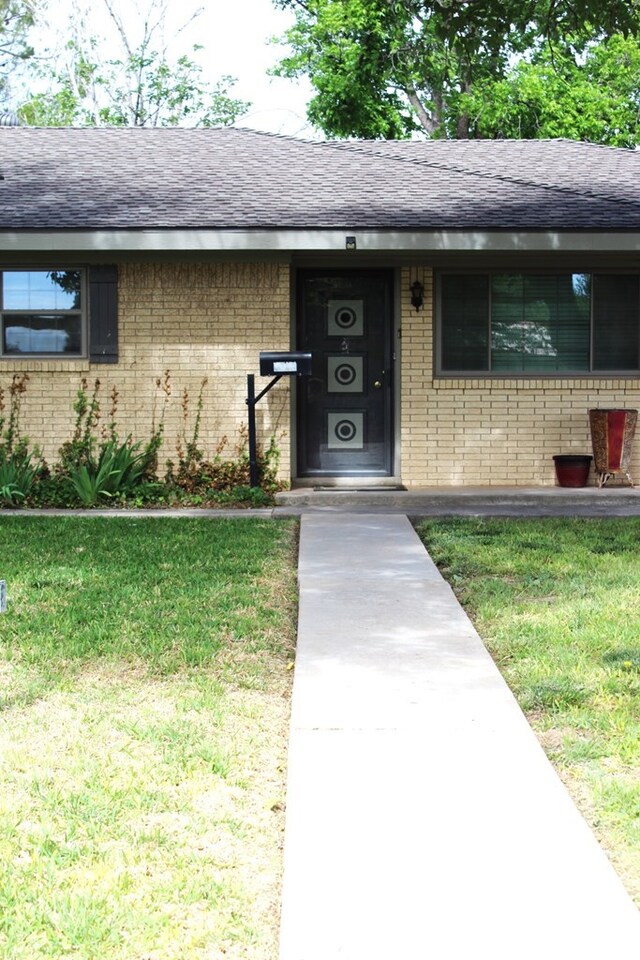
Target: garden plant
97,466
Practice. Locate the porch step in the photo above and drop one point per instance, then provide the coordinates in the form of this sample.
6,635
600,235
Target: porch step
496,501
332,489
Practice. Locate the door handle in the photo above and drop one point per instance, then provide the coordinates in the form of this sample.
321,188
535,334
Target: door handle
377,384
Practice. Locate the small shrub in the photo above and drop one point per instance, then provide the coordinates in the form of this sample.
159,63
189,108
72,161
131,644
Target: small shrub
244,494
95,464
80,448
10,438
149,493
101,466
53,490
268,463
18,474
10,494
19,465
196,475
117,470
190,454
152,447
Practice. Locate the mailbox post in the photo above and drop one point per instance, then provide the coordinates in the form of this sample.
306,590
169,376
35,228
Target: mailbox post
277,365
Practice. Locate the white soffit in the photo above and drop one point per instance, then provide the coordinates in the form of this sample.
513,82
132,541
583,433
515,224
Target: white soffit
325,241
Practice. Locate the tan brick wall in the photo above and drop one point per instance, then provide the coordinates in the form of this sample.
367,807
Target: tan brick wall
468,431
211,320
197,320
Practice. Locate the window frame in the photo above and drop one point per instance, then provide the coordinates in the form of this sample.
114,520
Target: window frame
591,373
83,311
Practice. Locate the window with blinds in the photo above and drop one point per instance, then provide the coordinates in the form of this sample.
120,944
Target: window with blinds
539,324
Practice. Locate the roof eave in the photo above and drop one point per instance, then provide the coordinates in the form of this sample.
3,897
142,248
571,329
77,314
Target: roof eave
322,241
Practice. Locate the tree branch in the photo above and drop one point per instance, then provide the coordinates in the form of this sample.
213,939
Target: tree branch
426,121
119,26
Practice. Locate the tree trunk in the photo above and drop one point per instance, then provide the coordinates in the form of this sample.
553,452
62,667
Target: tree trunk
462,127
462,123
426,120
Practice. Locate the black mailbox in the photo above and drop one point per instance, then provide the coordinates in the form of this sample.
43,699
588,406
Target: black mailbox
274,363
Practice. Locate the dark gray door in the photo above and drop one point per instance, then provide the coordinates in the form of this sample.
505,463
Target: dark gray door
345,406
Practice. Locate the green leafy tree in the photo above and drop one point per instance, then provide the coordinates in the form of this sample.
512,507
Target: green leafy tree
142,86
386,68
16,17
595,99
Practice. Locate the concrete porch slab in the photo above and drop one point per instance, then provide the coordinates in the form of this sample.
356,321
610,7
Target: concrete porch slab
467,501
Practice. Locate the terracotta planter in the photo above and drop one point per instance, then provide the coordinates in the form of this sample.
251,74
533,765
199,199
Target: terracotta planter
572,470
612,433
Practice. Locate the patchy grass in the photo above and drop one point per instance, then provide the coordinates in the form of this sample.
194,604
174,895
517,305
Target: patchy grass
144,691
558,604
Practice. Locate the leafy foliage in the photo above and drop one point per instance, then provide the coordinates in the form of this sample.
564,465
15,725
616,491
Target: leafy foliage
228,475
19,465
79,450
102,468
597,99
96,466
16,16
116,471
143,90
18,472
141,86
219,478
387,68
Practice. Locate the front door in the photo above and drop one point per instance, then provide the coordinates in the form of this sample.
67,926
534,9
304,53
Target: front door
345,406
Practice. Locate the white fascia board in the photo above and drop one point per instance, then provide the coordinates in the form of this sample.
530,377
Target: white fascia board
325,241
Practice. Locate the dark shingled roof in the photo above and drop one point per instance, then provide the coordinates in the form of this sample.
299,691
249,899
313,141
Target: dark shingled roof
132,178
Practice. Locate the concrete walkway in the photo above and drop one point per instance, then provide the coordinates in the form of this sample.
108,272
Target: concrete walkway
424,821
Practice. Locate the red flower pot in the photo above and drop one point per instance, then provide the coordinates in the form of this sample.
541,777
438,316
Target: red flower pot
572,470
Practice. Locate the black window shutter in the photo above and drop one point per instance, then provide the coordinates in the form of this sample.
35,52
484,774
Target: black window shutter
103,314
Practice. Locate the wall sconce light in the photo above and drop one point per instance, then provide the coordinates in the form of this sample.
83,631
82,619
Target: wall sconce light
417,294
350,243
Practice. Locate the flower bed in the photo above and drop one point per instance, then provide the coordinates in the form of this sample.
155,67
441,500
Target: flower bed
97,466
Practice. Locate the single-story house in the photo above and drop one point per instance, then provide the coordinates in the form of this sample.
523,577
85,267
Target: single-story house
465,302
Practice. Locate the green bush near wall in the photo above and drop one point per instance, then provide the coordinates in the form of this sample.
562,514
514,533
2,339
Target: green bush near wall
98,467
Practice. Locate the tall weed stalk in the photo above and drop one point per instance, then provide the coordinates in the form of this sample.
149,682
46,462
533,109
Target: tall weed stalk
19,465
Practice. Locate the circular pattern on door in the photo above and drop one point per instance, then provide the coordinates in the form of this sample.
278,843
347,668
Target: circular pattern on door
345,430
346,318
345,374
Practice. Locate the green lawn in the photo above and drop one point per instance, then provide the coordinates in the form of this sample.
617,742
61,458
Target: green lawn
144,694
558,604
